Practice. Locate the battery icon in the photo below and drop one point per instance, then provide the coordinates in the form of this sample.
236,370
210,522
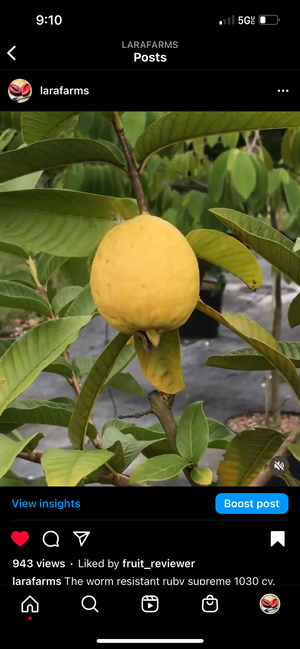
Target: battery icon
268,19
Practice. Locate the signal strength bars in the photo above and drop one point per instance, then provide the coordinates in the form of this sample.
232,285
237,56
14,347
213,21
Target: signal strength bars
227,21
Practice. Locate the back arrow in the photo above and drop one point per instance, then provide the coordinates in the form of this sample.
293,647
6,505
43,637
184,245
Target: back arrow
9,53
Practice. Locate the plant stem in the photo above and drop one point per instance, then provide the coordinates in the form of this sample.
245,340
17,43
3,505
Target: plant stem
276,332
132,168
161,406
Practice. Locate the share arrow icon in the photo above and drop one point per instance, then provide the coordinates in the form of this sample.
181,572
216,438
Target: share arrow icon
82,537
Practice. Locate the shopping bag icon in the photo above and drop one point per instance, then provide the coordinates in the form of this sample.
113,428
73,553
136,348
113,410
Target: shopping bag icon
210,604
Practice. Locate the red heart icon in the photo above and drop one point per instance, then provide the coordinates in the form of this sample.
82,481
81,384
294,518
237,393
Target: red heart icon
20,537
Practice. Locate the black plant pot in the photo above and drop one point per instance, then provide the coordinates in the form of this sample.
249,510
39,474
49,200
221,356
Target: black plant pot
199,325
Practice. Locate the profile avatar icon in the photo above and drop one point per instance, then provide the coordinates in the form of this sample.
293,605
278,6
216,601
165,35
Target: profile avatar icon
19,90
270,603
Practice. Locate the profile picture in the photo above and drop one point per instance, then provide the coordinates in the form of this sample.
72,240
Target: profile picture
19,91
269,603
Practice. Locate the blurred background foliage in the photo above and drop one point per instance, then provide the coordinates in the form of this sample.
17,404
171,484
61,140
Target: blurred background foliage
250,172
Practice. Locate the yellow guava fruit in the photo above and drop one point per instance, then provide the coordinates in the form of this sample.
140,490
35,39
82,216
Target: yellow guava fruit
145,276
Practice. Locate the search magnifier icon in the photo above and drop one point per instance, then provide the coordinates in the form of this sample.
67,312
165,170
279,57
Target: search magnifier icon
89,606
53,543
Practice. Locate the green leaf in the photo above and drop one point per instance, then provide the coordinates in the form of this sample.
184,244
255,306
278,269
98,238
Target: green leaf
193,433
294,311
9,451
160,444
125,356
296,247
131,446
82,365
47,265
30,354
13,434
295,449
258,338
217,176
65,468
83,304
228,253
37,411
246,456
92,387
61,222
57,153
289,479
21,276
219,435
33,443
243,174
162,365
63,298
292,194
194,202
60,366
25,182
120,424
76,272
286,146
163,467
10,479
5,343
202,475
274,180
6,137
249,359
12,249
134,123
126,383
38,126
230,139
18,296
117,463
268,242
179,126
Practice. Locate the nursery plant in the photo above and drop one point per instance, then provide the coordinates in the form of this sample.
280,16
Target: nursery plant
282,202
112,237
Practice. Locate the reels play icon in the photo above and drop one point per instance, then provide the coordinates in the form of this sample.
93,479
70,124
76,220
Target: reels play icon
19,538
150,603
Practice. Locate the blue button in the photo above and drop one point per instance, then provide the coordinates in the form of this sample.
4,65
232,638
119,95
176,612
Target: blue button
252,503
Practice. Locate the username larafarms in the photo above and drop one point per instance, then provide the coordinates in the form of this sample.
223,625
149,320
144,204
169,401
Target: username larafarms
140,45
64,91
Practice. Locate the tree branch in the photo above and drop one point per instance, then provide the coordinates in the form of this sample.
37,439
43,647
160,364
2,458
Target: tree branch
122,481
161,405
196,187
132,168
265,475
256,141
137,415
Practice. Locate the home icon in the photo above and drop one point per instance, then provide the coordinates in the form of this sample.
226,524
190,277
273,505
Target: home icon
30,605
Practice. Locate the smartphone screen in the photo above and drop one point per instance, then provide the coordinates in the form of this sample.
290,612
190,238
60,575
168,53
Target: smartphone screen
149,327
